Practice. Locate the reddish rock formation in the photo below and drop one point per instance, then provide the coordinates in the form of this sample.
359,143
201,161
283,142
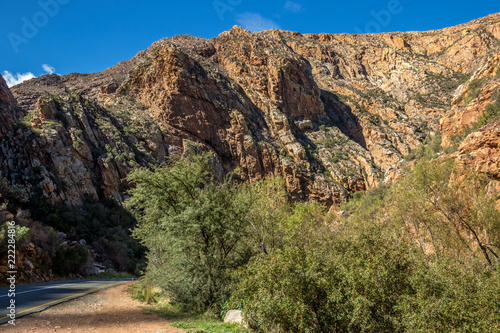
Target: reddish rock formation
472,99
328,113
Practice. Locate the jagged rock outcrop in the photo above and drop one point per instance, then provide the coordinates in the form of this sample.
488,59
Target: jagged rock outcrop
328,113
480,151
472,99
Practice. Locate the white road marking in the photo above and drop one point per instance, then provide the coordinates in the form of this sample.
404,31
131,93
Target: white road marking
32,290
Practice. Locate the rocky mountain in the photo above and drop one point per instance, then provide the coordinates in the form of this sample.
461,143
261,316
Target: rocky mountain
331,114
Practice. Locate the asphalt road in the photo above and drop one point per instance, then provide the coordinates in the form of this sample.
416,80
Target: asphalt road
36,297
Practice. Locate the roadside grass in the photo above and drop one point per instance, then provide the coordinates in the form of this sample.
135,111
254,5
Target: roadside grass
148,295
192,322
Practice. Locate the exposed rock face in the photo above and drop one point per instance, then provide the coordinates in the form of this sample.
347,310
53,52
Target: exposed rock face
328,113
8,111
472,99
480,151
235,316
75,149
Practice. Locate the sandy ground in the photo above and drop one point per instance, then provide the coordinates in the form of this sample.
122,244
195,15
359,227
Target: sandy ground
111,311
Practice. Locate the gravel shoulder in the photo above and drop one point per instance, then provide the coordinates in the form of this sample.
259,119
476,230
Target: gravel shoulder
111,310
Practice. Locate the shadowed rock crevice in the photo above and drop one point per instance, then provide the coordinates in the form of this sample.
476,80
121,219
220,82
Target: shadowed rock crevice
342,117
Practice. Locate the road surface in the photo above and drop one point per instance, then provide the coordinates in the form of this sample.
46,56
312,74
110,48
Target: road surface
36,297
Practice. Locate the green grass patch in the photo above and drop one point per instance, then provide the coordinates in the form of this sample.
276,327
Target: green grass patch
146,294
194,323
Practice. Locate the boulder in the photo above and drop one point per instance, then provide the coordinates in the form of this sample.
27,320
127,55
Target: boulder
28,265
234,316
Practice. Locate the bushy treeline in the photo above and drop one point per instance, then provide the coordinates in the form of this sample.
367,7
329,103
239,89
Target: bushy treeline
420,256
104,224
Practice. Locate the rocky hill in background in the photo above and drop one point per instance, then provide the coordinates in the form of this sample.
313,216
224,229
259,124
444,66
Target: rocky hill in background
331,114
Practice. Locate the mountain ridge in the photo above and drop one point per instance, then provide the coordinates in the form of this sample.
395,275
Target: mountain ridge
331,114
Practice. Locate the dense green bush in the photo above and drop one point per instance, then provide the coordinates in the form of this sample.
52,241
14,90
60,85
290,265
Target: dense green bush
68,260
333,283
413,265
448,297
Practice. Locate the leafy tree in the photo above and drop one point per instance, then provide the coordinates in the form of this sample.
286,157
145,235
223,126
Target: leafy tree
193,227
267,215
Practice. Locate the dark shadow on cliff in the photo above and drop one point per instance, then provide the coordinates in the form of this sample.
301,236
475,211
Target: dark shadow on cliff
342,117
339,113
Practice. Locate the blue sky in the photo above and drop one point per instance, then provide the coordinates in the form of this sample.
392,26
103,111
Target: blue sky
65,36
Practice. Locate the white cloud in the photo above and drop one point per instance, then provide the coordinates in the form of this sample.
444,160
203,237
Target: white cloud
12,80
49,69
255,22
293,7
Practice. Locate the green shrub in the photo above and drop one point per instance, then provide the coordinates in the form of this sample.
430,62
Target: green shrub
26,121
22,234
448,297
491,112
428,149
334,283
193,227
68,260
473,90
404,260
14,194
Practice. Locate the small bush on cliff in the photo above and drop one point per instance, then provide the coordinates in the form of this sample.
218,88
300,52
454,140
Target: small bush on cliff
13,194
428,150
21,234
491,112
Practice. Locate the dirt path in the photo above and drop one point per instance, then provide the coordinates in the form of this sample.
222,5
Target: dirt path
109,311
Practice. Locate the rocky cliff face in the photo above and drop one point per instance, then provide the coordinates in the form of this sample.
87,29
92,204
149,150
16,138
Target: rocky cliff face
472,100
8,109
329,113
